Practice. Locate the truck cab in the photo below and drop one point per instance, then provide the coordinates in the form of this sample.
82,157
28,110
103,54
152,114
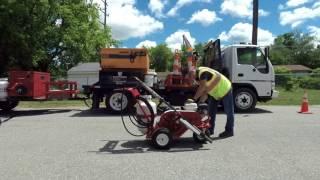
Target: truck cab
248,68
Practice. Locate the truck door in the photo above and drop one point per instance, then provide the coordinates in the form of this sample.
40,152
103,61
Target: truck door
253,67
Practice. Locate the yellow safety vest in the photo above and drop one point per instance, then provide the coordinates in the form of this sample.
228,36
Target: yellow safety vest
222,87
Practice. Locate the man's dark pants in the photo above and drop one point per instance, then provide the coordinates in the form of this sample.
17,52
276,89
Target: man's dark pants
227,101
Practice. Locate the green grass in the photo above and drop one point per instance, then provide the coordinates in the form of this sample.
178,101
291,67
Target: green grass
285,98
294,97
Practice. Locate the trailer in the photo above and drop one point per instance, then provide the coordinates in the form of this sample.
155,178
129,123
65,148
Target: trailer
33,86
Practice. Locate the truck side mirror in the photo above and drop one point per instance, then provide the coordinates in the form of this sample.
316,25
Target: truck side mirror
266,51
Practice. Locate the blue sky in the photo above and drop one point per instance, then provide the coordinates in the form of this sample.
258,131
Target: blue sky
151,22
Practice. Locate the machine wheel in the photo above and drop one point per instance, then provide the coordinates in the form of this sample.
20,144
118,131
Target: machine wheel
162,139
113,102
245,100
200,139
9,104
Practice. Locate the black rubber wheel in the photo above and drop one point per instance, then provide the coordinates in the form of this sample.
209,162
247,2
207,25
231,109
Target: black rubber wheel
200,139
113,102
162,139
9,104
245,100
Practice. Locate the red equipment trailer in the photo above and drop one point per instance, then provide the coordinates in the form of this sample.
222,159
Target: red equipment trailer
34,85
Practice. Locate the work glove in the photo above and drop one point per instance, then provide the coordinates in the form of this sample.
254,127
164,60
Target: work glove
190,101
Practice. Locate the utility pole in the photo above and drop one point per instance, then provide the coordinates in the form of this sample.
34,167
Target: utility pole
255,21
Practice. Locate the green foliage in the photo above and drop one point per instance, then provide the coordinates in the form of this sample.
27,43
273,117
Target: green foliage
309,82
284,78
161,57
295,48
281,70
316,71
50,35
200,49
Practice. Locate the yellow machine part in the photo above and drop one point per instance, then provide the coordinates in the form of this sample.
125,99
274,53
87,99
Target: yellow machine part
125,58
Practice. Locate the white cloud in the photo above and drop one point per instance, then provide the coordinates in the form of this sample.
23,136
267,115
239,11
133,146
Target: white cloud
317,4
298,16
241,32
175,40
146,44
263,12
173,11
157,6
315,31
126,21
204,17
295,3
240,8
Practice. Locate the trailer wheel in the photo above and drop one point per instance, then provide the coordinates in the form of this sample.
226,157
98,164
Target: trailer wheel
113,102
244,100
162,139
9,104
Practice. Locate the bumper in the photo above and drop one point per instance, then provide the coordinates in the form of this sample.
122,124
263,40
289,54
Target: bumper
275,94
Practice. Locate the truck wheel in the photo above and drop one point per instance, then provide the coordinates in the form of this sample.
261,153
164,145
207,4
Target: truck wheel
9,104
113,102
244,100
162,138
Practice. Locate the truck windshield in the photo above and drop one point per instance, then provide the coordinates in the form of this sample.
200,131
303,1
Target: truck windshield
252,56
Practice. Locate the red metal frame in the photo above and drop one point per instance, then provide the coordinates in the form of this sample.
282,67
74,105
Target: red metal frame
37,86
65,89
170,120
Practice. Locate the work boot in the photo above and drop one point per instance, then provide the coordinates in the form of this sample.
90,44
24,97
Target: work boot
211,132
226,134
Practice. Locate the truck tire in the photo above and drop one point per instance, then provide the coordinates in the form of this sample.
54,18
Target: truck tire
9,104
113,102
245,100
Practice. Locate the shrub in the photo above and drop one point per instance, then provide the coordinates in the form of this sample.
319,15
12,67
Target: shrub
284,78
310,82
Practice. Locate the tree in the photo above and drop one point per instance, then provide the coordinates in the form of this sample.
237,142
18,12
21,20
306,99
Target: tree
161,57
294,48
199,47
50,35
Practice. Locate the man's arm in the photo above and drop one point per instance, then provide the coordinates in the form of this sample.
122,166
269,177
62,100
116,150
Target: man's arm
215,82
202,90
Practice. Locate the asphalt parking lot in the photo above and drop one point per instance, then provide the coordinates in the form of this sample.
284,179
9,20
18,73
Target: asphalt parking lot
275,142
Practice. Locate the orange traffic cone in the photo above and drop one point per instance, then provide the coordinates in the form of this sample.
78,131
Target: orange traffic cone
305,104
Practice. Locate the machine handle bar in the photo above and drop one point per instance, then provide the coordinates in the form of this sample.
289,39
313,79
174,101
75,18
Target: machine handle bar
153,93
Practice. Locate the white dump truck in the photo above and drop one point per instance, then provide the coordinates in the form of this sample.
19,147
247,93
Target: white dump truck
248,68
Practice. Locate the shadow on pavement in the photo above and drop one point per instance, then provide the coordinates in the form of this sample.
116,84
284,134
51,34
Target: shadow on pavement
8,115
17,113
255,111
145,146
93,113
